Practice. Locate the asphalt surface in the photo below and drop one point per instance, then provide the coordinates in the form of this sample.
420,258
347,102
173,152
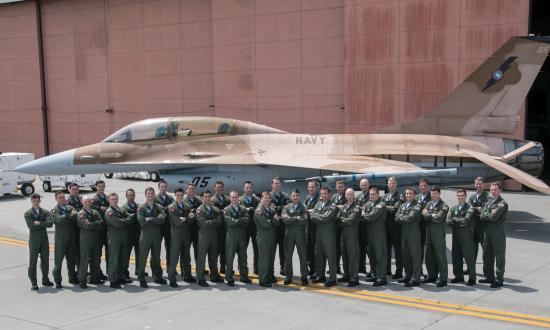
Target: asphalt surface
523,301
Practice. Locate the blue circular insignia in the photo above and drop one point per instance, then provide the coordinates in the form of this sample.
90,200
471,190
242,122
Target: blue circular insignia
498,74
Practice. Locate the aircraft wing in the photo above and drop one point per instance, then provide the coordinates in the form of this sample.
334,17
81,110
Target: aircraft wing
512,172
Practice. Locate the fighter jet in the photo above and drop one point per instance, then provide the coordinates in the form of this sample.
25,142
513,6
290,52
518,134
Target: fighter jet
458,141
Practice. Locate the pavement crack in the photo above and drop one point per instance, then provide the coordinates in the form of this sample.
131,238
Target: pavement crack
27,321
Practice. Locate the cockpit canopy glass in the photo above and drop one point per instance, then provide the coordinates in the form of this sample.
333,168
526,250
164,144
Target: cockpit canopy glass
164,128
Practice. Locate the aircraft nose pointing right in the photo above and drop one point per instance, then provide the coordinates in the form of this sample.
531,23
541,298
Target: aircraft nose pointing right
58,163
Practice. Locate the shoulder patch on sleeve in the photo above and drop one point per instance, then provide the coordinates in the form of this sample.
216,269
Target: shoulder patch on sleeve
110,213
172,209
81,215
417,208
379,206
501,204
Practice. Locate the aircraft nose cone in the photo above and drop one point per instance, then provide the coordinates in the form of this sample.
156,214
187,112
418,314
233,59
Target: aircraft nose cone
59,163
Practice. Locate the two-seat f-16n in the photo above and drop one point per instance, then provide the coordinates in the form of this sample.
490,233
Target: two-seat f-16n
456,142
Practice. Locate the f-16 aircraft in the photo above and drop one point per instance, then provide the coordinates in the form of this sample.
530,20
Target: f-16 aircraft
455,143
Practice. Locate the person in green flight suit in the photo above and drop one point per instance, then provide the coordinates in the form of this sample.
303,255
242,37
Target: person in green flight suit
38,220
325,215
477,201
209,219
295,218
164,200
194,203
64,219
236,219
392,199
278,200
151,217
460,219
75,201
181,218
220,200
100,204
435,214
251,202
91,224
408,215
348,219
422,199
133,231
362,198
493,217
117,224
266,221
309,202
374,215
339,198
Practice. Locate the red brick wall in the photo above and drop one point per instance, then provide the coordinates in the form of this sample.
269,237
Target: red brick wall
318,66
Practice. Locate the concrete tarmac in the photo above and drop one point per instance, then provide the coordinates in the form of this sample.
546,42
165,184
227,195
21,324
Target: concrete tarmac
524,301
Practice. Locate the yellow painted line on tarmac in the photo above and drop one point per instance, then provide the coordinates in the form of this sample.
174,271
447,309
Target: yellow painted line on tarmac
411,302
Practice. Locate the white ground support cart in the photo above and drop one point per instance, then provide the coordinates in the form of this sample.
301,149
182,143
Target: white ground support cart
51,182
11,181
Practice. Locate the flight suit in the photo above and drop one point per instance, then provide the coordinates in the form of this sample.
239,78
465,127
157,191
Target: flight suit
102,200
436,248
64,219
76,202
309,203
208,221
151,239
266,225
236,242
477,203
494,246
280,200
422,201
220,202
91,224
325,215
374,216
117,221
180,244
251,203
165,201
409,217
460,219
38,242
295,218
133,232
348,220
362,198
393,233
338,199
194,204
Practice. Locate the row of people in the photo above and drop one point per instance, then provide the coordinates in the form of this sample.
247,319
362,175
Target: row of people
222,226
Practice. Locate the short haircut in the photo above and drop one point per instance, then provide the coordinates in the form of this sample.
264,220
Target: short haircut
190,185
392,178
461,191
266,194
73,185
179,190
327,189
497,184
423,180
436,188
218,182
375,189
98,182
35,196
59,192
162,181
130,190
276,178
233,192
479,178
295,191
113,194
149,188
313,181
340,181
411,189
206,192
248,182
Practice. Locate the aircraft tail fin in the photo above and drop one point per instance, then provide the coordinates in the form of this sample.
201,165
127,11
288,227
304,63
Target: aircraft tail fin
489,100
